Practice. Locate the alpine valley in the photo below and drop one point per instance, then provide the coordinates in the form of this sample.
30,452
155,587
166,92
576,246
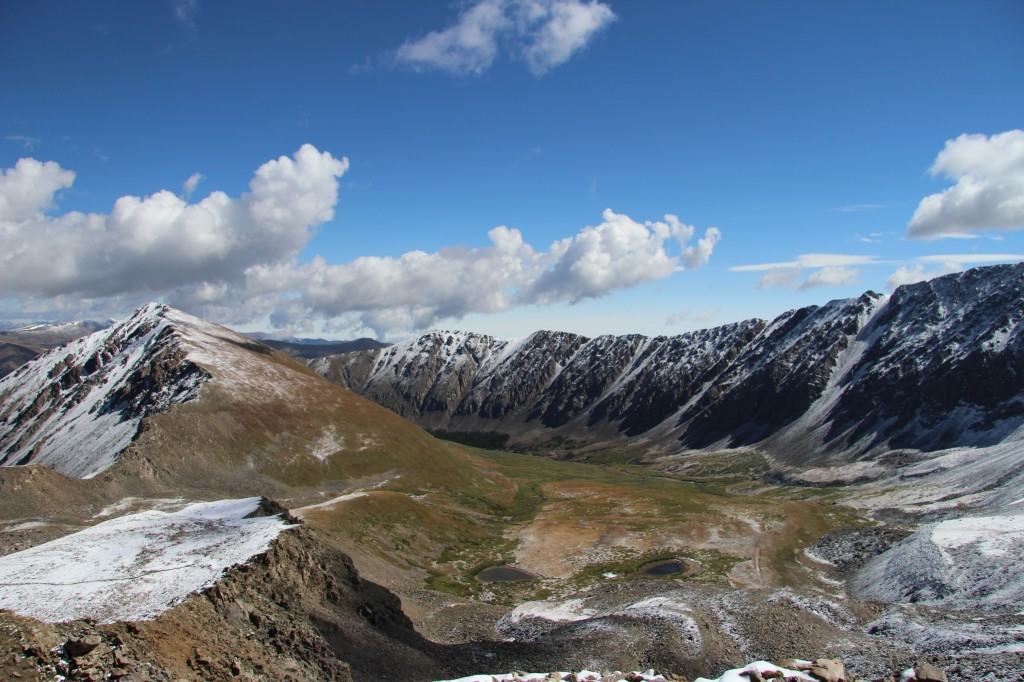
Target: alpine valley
181,501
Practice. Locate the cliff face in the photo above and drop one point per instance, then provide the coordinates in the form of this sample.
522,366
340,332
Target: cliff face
936,365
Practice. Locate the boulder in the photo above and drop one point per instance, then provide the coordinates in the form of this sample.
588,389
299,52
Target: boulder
828,670
80,646
926,672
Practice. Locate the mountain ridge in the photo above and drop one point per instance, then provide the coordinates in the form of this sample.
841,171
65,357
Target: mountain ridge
813,382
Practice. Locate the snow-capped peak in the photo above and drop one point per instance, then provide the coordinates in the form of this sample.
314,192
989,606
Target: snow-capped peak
76,408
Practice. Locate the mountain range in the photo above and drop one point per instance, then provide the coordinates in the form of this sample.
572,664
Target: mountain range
934,365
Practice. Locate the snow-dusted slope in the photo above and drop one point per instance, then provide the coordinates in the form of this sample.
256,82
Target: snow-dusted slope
77,407
971,562
936,365
136,566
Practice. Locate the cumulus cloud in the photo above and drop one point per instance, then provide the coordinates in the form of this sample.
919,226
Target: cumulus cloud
700,253
988,189
616,254
542,33
235,259
828,269
156,243
30,188
417,289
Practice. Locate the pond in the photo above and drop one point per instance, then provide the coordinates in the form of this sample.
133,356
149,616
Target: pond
502,574
665,567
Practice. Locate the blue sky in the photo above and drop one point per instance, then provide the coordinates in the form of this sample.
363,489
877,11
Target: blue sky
794,128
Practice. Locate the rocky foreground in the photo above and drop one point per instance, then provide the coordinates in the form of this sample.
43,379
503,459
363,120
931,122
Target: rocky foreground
820,670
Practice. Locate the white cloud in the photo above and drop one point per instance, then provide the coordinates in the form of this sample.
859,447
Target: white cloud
831,276
787,276
700,253
916,272
470,45
189,187
829,269
543,33
418,289
945,264
235,259
557,29
159,242
29,188
988,189
809,260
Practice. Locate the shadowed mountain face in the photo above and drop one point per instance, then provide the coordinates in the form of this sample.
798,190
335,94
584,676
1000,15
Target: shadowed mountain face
934,365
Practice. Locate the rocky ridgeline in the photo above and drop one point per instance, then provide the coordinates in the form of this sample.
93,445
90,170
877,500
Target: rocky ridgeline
935,365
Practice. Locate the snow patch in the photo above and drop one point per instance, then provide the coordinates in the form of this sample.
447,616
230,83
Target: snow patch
581,676
994,536
134,567
743,674
329,443
302,511
521,622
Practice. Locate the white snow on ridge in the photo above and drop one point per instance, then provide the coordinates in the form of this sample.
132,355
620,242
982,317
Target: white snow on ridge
742,674
582,675
229,358
136,566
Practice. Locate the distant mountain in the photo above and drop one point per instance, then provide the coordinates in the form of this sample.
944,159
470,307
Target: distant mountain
318,348
935,365
21,343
